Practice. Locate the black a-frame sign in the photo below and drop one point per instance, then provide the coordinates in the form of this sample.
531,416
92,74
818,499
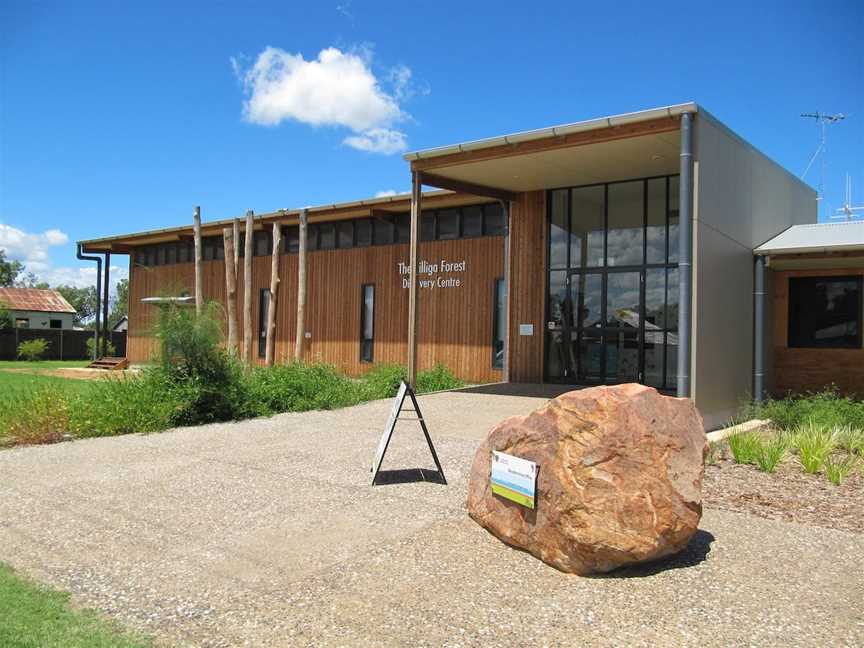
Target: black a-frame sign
396,415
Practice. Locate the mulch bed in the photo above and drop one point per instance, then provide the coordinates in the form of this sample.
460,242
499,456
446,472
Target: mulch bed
788,494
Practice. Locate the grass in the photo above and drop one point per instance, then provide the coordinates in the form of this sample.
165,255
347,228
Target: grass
814,443
42,365
34,616
770,453
744,447
839,468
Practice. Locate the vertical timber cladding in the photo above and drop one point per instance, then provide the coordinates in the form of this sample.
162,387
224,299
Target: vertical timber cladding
527,285
455,321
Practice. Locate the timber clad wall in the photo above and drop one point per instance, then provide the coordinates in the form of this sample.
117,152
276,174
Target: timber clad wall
801,370
527,285
455,323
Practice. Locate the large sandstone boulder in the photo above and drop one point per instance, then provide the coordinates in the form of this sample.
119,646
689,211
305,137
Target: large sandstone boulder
619,478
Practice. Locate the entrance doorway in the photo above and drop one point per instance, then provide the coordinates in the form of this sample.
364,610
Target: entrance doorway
613,283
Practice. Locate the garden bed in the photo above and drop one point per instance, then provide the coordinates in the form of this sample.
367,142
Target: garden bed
787,494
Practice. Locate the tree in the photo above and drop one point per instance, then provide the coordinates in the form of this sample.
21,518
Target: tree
120,304
9,270
83,300
5,317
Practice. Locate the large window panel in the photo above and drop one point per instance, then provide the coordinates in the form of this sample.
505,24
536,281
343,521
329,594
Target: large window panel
586,226
624,239
558,235
655,232
825,312
448,224
673,219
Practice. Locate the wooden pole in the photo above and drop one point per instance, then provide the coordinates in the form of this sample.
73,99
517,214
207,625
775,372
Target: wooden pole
247,288
231,287
270,347
301,288
199,284
236,230
416,198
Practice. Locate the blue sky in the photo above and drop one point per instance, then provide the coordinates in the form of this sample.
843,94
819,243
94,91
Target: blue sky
120,117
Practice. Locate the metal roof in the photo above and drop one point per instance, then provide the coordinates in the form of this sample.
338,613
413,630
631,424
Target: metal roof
816,237
34,299
557,131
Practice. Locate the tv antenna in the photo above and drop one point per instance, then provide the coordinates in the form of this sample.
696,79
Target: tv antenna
847,211
823,120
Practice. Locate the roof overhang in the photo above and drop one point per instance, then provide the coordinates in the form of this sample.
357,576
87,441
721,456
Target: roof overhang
620,147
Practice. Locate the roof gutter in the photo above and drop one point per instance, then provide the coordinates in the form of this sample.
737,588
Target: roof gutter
556,131
810,250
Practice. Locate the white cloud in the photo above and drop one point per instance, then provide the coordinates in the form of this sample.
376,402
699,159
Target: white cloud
378,140
33,251
336,89
386,193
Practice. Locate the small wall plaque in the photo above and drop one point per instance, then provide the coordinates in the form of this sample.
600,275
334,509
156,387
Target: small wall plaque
526,329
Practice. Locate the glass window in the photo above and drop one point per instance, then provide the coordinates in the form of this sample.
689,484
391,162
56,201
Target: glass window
673,219
587,290
427,226
448,224
586,222
655,299
363,232
493,220
622,300
403,228
160,255
171,253
624,238
312,237
326,236
367,323
825,312
558,230
499,323
656,212
345,231
472,221
382,232
291,240
263,306
263,242
22,322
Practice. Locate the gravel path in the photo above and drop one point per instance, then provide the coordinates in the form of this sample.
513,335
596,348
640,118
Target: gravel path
267,533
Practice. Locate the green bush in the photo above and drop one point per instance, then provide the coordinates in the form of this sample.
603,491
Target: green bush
32,350
193,363
439,378
382,381
111,351
297,387
744,446
827,407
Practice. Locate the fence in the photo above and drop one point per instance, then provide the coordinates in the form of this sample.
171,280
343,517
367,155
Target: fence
62,344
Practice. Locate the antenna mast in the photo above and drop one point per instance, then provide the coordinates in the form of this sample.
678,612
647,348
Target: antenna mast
822,120
847,210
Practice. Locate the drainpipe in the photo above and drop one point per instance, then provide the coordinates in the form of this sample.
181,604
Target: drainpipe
105,287
759,329
685,254
83,257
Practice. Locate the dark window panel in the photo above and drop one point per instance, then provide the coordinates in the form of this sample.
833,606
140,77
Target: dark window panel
493,220
262,243
326,236
170,253
427,226
825,312
363,232
160,255
312,237
448,224
403,228
263,306
472,221
383,232
499,323
291,240
367,322
345,234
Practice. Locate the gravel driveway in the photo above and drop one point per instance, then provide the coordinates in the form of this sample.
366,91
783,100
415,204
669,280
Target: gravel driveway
266,533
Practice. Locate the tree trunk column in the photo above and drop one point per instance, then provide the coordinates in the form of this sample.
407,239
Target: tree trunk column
247,288
274,291
199,286
301,288
230,287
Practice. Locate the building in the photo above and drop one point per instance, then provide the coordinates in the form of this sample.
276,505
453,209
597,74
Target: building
121,325
33,308
612,250
809,280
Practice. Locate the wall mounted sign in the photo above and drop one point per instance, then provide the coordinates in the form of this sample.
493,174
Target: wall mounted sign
435,275
514,478
392,419
526,329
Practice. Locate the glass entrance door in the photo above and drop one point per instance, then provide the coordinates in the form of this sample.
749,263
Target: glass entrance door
612,284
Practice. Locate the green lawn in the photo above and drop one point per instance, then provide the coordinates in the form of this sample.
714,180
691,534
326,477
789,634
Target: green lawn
33,616
41,365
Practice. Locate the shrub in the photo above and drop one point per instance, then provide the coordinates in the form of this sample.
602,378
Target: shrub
837,468
297,387
32,350
192,363
382,381
814,443
770,452
850,439
827,408
111,351
744,447
41,416
439,378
